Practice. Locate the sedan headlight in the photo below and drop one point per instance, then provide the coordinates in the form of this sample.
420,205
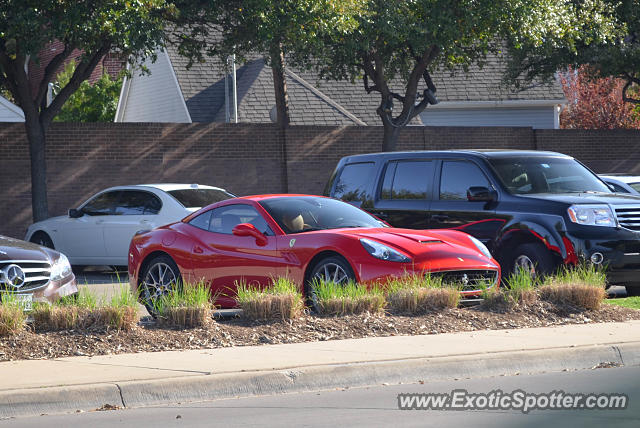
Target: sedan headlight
592,215
481,247
382,252
61,268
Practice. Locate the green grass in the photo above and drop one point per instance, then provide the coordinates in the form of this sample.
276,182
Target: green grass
347,298
85,311
280,285
85,299
420,293
186,306
582,286
583,274
12,315
280,300
627,302
414,281
520,288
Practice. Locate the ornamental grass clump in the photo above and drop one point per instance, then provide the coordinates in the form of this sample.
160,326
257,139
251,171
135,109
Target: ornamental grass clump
521,288
83,311
582,286
74,312
12,315
121,313
186,306
281,300
348,298
418,294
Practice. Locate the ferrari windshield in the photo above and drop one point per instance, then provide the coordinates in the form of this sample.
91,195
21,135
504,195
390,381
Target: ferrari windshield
530,175
297,214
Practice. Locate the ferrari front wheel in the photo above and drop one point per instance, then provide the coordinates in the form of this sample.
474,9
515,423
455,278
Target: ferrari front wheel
334,269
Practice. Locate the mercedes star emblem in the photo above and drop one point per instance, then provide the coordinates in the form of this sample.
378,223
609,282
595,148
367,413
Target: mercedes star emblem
13,275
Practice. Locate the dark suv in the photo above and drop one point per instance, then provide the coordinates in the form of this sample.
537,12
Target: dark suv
533,210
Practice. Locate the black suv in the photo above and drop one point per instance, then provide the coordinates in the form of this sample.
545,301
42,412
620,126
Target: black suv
533,210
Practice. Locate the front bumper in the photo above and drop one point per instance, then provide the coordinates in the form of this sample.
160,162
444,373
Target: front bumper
55,290
620,249
380,272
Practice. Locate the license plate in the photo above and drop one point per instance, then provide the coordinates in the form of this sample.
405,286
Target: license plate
25,300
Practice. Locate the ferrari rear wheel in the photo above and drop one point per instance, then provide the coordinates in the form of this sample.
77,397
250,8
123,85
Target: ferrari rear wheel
331,269
160,277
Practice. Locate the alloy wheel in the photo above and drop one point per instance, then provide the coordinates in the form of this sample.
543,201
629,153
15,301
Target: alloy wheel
159,280
332,272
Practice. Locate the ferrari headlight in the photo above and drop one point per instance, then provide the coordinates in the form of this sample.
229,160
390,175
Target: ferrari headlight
382,252
592,215
481,247
61,268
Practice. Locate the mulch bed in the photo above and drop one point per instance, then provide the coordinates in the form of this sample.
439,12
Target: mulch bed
241,332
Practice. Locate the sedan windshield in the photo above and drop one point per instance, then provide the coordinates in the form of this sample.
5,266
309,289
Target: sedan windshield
306,213
198,198
530,175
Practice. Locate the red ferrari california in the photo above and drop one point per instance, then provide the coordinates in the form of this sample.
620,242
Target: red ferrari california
257,238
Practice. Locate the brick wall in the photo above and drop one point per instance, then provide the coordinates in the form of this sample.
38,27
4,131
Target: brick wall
247,159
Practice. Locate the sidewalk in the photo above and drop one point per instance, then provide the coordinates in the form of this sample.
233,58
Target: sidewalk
131,380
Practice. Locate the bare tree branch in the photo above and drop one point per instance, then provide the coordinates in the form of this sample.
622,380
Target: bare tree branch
82,72
50,71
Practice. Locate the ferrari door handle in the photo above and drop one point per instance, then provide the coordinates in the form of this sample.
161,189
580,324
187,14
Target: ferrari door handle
440,217
198,250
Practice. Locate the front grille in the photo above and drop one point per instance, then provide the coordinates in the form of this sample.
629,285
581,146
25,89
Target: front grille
629,217
36,274
468,280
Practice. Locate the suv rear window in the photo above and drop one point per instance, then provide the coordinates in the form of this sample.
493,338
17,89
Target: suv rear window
197,198
354,182
407,180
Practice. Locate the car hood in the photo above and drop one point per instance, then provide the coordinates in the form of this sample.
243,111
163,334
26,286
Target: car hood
451,249
588,198
15,249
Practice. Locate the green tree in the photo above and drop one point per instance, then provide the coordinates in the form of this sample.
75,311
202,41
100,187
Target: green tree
396,44
603,35
95,102
131,27
277,29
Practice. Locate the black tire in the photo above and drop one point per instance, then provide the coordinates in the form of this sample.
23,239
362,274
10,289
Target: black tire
632,290
332,268
161,275
41,238
532,256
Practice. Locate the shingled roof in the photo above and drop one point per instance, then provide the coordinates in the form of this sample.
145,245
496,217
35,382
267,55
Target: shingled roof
320,102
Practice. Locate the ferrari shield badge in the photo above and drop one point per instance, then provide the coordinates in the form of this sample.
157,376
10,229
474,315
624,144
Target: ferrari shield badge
292,243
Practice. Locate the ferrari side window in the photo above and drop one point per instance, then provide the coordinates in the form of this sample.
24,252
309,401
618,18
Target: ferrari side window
202,221
224,219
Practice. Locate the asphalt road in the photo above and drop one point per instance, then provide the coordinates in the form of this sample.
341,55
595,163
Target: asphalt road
377,406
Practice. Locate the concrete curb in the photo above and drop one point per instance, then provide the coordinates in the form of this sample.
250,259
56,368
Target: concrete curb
215,386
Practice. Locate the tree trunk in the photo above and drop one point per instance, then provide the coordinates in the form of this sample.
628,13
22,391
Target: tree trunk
390,141
280,87
37,141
